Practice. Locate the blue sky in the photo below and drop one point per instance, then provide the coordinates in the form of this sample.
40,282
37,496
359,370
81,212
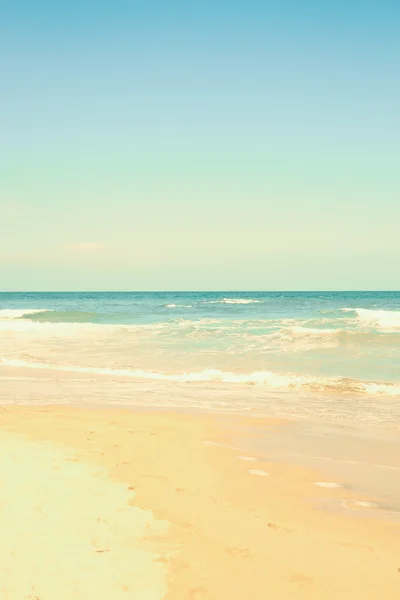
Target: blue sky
212,145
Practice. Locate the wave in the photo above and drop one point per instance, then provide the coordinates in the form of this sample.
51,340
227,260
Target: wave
178,306
232,301
19,313
281,335
321,337
266,378
67,316
47,315
84,323
385,319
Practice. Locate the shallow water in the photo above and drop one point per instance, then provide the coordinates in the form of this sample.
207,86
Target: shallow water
367,462
334,354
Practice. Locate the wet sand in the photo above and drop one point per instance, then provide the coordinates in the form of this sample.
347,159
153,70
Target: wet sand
111,503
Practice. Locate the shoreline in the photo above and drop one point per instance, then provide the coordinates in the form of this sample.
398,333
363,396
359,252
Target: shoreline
237,527
360,454
58,387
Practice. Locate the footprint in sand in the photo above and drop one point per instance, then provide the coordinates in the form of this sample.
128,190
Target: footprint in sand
276,527
299,578
239,552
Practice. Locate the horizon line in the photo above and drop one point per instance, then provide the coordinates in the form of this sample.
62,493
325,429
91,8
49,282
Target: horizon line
194,291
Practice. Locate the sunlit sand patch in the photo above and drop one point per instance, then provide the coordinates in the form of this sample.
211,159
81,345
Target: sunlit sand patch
208,443
259,472
328,484
71,530
364,504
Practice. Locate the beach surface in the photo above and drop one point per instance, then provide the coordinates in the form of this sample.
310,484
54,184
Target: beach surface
113,503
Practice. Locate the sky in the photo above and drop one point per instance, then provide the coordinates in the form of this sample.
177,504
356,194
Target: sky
213,145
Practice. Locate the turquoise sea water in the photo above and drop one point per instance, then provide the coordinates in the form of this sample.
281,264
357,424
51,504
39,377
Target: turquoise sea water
316,341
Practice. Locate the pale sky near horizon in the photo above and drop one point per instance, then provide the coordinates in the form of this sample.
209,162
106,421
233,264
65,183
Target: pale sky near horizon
199,145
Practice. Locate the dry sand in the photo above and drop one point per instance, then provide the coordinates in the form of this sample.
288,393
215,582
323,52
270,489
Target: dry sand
109,504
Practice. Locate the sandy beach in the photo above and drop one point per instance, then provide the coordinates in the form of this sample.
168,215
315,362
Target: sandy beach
108,503
200,300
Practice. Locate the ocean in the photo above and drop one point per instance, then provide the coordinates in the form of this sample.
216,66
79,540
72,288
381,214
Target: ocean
335,354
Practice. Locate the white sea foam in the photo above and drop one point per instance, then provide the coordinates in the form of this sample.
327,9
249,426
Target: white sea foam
272,380
376,389
16,313
299,338
53,330
383,319
313,332
178,306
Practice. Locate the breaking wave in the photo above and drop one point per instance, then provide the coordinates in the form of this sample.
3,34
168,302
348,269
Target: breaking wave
232,301
281,334
263,378
384,319
67,316
178,306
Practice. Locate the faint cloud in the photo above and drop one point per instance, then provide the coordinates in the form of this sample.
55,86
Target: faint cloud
12,208
16,258
86,247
